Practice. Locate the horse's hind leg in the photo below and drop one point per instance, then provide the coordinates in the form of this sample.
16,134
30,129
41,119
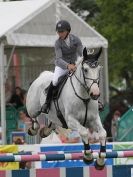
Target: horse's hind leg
46,131
33,130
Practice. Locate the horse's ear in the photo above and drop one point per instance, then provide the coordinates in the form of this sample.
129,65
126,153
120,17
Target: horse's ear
85,53
94,57
97,55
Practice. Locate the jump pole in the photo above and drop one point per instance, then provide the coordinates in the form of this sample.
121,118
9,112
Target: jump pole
62,156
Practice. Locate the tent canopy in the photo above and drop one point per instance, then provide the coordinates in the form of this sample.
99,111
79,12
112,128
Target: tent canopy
32,23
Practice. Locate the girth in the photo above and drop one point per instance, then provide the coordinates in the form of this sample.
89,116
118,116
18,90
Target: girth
56,95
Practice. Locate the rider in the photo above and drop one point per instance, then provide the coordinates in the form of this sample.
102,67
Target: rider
67,48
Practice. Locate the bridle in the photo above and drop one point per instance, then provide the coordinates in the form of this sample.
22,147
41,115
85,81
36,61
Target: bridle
84,85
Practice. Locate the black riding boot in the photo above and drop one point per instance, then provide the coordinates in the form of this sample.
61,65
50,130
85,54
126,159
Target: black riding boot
47,104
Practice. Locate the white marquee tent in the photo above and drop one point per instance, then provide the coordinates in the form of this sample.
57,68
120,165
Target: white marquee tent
32,23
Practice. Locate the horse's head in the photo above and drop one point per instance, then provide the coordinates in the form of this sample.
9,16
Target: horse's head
90,57
91,72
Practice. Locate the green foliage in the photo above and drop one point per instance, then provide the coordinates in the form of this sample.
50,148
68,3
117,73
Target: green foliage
81,6
116,24
114,20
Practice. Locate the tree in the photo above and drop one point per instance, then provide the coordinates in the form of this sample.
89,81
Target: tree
113,19
87,9
115,23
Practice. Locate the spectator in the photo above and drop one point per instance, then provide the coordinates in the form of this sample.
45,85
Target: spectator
8,91
114,124
17,99
24,121
19,141
24,97
22,165
68,135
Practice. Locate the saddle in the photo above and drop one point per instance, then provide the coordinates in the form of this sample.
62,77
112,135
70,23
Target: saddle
59,87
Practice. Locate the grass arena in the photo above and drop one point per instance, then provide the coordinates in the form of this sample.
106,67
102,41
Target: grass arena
65,160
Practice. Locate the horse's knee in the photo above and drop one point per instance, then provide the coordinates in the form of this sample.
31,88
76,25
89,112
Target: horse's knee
102,137
84,135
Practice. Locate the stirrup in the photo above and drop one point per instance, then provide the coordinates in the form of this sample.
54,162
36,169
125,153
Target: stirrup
45,108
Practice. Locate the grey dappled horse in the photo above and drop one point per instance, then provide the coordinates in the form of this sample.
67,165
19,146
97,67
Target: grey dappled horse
78,102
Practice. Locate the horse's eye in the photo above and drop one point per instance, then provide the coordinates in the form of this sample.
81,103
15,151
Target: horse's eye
85,70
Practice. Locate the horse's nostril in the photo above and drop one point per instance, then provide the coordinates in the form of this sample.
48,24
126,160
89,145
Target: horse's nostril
91,94
94,97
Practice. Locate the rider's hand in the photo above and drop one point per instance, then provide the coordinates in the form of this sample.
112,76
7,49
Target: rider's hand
71,67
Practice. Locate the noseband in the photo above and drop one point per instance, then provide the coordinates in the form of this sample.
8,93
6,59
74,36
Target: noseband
84,85
92,65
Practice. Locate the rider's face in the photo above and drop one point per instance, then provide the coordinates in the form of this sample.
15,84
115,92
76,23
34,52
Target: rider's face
62,34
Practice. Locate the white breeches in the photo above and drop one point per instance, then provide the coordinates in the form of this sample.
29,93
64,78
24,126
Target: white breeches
57,73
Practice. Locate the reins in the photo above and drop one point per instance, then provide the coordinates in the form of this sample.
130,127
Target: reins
85,100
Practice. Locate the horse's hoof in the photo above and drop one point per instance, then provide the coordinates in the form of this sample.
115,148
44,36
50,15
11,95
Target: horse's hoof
45,131
88,158
99,166
32,132
86,161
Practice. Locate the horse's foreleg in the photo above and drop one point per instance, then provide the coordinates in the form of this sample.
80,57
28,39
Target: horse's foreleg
88,156
75,125
100,162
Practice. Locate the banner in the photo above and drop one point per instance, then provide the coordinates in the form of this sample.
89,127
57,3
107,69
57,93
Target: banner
123,146
9,165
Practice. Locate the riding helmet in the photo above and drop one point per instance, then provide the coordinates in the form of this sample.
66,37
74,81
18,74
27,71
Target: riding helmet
63,25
